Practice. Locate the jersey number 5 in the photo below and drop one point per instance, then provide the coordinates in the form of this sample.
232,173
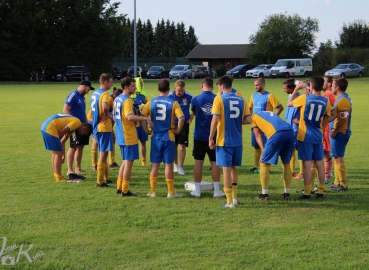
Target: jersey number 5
235,111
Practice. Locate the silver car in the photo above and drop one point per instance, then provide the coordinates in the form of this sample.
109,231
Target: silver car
180,72
346,70
259,71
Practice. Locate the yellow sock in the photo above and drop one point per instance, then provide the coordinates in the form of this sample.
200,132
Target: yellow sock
307,190
59,178
111,156
293,162
257,155
264,175
100,172
153,181
336,177
234,191
228,192
287,176
143,161
314,172
106,171
125,186
170,185
341,170
301,167
320,189
119,183
94,156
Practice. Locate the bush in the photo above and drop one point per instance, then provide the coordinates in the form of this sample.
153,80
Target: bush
221,71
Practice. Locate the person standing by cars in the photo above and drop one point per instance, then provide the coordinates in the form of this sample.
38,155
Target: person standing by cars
75,105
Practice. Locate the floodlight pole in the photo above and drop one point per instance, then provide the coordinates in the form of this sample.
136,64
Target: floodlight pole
134,42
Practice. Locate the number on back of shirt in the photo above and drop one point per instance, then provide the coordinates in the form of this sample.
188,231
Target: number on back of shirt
311,112
235,111
161,112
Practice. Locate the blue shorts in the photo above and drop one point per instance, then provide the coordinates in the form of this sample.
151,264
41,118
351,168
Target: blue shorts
51,142
254,143
104,141
129,152
280,144
338,144
141,134
310,151
162,151
228,156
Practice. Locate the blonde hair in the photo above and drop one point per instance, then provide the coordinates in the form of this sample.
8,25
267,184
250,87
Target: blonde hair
180,83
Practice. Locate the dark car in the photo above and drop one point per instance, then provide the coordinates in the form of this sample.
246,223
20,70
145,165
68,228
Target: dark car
155,72
73,73
240,70
202,72
116,72
131,70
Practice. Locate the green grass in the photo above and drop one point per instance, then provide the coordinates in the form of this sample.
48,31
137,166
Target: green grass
77,226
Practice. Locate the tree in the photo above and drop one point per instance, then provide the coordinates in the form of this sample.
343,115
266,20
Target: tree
282,36
354,35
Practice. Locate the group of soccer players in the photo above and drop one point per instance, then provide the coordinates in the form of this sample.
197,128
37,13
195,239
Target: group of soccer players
218,133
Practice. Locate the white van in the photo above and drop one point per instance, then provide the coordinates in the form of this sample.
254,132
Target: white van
292,67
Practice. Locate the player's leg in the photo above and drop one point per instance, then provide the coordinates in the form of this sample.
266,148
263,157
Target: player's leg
94,153
131,154
120,172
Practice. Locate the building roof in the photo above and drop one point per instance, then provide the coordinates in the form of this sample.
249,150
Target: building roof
218,51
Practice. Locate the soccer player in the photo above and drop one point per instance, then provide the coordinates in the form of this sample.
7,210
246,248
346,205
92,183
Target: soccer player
184,100
340,132
53,130
234,91
201,108
162,111
111,155
261,100
327,89
75,105
229,112
126,134
313,108
280,142
102,127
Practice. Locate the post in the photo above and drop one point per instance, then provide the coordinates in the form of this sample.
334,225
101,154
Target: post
134,43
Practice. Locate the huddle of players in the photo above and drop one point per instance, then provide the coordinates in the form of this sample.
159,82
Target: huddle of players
224,116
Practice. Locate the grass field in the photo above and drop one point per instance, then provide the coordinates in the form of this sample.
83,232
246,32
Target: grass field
77,226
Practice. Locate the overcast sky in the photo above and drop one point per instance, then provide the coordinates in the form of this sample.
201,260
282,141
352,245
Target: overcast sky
233,21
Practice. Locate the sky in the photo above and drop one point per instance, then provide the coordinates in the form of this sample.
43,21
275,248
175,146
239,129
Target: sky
234,21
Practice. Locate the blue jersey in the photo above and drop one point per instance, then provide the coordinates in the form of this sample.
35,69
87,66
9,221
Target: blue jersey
125,130
201,105
263,102
184,101
292,113
77,103
269,123
98,98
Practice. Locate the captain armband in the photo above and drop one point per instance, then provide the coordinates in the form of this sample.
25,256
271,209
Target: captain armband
344,114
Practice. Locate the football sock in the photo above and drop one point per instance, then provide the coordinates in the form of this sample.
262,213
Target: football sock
314,172
59,178
264,175
100,172
287,176
125,186
257,155
111,156
94,156
153,181
328,168
320,189
307,190
216,186
234,191
170,185
301,167
119,183
143,161
198,186
264,191
228,193
336,177
293,162
106,171
341,170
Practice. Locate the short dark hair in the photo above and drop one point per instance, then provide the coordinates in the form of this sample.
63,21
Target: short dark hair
163,85
226,81
86,126
208,81
290,83
342,83
105,77
260,79
317,82
126,81
329,78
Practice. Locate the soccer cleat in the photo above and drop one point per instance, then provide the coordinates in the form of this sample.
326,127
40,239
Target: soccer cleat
300,191
299,177
225,205
118,192
285,196
255,170
314,191
327,181
94,168
304,197
319,196
218,194
102,185
128,194
60,178
81,171
181,171
196,193
175,195
262,197
152,195
113,165
333,186
235,202
175,168
339,188
74,176
108,182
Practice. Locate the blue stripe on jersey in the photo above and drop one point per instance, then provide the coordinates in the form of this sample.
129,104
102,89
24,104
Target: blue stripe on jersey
202,105
314,111
161,113
95,108
118,107
260,101
274,119
233,112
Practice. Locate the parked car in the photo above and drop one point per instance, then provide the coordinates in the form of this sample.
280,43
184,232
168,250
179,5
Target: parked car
259,71
180,72
117,72
72,73
240,70
131,70
156,72
346,70
292,67
202,72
